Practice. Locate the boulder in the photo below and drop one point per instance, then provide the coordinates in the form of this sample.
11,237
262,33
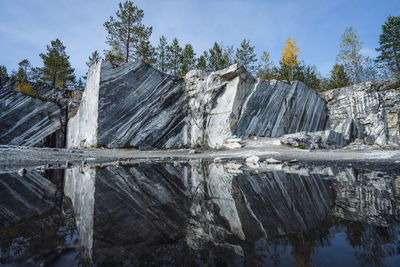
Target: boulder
364,111
322,139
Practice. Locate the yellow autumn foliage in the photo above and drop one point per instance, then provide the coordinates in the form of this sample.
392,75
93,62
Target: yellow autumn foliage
25,88
72,94
290,55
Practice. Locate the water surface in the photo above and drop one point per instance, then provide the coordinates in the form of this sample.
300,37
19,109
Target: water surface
201,213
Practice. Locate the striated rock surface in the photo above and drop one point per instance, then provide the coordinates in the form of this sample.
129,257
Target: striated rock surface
24,197
131,106
28,121
231,103
216,100
366,196
276,109
364,111
162,207
135,105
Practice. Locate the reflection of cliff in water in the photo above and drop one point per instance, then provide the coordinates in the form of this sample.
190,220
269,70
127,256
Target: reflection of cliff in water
35,219
201,213
211,213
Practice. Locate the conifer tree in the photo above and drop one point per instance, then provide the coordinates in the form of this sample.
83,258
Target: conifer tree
125,31
56,70
114,55
338,78
246,56
188,59
162,54
290,56
389,45
146,52
217,58
94,58
202,61
265,69
3,74
23,72
174,58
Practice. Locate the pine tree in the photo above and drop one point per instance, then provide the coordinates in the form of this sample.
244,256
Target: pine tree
80,85
245,56
23,72
162,54
202,61
265,69
56,70
94,58
174,57
349,55
290,57
188,59
146,52
389,45
125,32
114,55
217,59
3,74
338,78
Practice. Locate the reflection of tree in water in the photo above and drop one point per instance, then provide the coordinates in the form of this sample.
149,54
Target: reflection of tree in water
373,244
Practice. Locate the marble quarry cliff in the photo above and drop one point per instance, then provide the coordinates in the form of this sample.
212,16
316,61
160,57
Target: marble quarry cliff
32,121
135,105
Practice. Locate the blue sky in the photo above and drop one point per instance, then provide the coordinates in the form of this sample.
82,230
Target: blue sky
27,26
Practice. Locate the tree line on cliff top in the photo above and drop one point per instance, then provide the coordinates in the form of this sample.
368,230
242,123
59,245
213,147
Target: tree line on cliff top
128,40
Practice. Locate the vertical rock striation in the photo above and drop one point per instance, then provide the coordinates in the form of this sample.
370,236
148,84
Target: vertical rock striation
215,103
366,112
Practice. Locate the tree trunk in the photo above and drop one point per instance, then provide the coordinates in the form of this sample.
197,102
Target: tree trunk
396,57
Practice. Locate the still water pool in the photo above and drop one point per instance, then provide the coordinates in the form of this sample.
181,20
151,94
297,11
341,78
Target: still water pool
200,213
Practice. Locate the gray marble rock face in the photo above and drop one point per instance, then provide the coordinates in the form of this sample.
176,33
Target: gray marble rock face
364,111
28,121
391,98
279,108
197,204
24,197
135,105
366,196
231,103
322,139
131,106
